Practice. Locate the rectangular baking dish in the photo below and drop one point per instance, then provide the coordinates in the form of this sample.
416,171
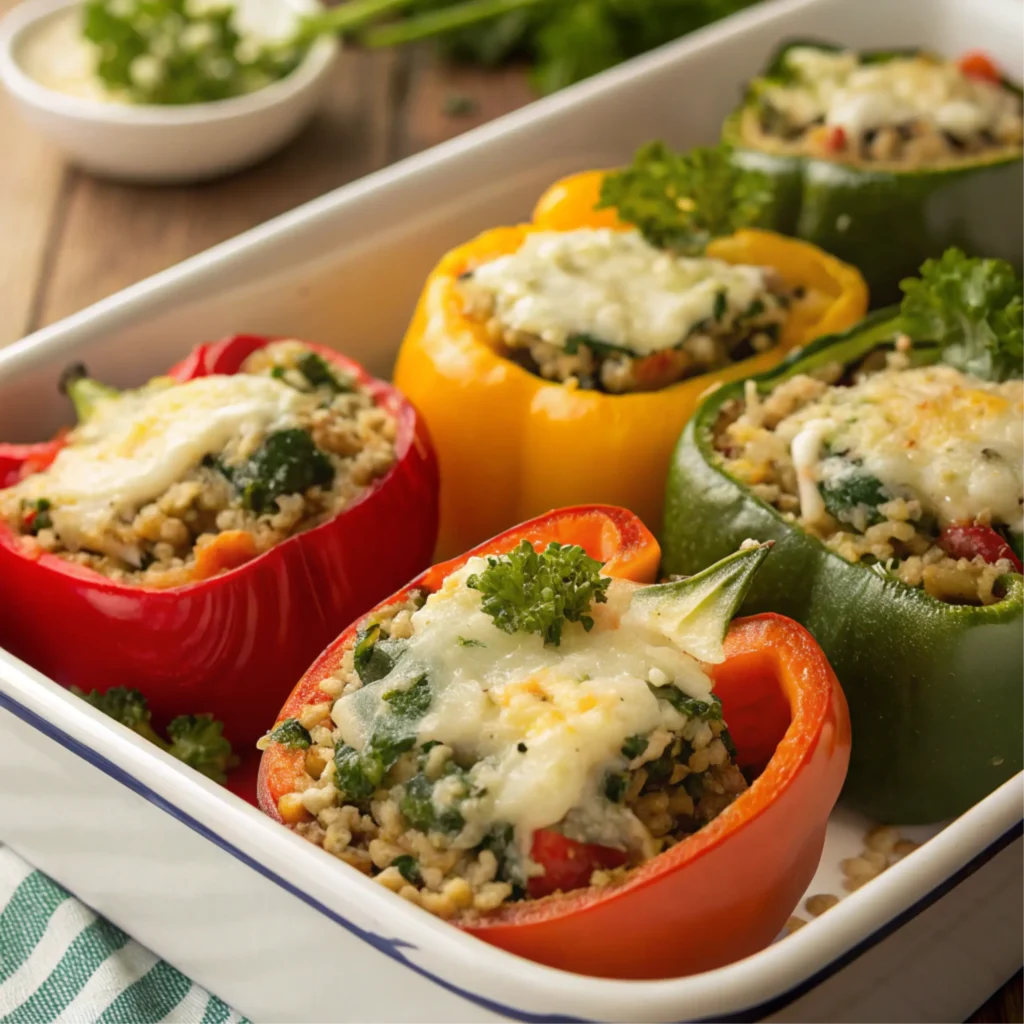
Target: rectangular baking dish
270,924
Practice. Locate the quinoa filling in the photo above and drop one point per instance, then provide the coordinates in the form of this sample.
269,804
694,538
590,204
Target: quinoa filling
906,112
459,747
152,482
890,468
605,310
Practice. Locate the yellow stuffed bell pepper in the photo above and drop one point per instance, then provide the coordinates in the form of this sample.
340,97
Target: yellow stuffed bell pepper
513,445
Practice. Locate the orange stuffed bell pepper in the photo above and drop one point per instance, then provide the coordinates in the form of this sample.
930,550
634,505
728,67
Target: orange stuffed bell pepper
557,362
562,758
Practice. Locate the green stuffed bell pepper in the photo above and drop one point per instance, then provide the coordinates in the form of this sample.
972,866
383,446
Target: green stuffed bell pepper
885,463
898,145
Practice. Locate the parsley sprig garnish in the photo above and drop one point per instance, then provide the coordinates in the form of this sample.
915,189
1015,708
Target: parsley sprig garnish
681,201
973,309
529,591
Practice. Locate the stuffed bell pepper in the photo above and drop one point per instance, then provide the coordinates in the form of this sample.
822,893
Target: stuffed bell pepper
886,465
538,744
556,362
885,158
201,537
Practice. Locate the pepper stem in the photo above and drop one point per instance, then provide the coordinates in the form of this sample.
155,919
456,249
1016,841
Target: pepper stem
84,392
695,612
447,19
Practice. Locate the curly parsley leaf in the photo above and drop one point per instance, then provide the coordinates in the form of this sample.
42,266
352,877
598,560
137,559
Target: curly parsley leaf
197,741
528,591
973,309
681,201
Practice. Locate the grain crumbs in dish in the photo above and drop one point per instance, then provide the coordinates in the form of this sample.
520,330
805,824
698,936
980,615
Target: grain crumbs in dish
170,483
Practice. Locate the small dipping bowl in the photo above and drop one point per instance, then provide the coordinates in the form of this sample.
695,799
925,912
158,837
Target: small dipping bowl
165,144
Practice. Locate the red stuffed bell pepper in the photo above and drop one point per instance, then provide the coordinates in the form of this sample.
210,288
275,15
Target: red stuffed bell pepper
525,741
226,622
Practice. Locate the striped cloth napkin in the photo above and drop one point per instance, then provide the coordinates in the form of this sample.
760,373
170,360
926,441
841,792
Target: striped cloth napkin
60,962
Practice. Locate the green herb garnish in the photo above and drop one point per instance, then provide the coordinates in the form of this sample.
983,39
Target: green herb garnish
320,375
195,740
413,702
681,201
845,494
37,515
291,733
634,746
463,642
689,706
418,808
615,786
527,591
288,462
374,654
973,309
408,868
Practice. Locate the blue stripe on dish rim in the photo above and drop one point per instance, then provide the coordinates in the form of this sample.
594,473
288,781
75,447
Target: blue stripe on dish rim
394,948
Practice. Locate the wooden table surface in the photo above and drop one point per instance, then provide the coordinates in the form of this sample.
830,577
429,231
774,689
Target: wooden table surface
69,239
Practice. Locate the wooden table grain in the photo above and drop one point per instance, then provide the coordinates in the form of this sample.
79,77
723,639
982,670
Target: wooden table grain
69,239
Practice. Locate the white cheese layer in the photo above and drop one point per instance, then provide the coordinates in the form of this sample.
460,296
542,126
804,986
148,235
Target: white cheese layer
542,723
952,441
859,97
139,444
613,286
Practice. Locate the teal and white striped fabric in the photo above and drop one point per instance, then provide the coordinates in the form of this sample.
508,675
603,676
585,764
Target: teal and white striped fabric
60,962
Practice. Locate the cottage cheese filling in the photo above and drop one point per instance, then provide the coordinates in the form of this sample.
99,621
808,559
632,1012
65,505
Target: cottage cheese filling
838,89
953,442
614,287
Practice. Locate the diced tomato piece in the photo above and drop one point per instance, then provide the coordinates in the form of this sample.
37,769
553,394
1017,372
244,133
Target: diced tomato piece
567,864
976,64
966,540
836,139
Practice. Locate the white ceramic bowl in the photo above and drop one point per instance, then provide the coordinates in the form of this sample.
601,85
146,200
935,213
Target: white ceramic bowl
163,143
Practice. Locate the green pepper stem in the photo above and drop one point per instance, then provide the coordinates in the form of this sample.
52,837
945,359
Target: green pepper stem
437,22
346,19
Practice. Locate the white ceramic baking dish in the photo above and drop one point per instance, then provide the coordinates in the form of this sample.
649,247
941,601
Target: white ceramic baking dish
271,924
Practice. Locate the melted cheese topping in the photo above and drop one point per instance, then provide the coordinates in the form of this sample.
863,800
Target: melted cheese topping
859,97
140,443
613,286
952,441
542,723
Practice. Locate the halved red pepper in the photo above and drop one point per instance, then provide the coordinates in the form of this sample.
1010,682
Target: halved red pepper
724,892
232,644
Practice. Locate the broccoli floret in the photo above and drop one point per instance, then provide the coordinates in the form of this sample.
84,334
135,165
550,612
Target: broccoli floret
126,706
196,740
85,393
288,462
291,733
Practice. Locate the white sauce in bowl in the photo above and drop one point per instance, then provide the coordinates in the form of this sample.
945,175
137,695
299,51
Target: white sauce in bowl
57,56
